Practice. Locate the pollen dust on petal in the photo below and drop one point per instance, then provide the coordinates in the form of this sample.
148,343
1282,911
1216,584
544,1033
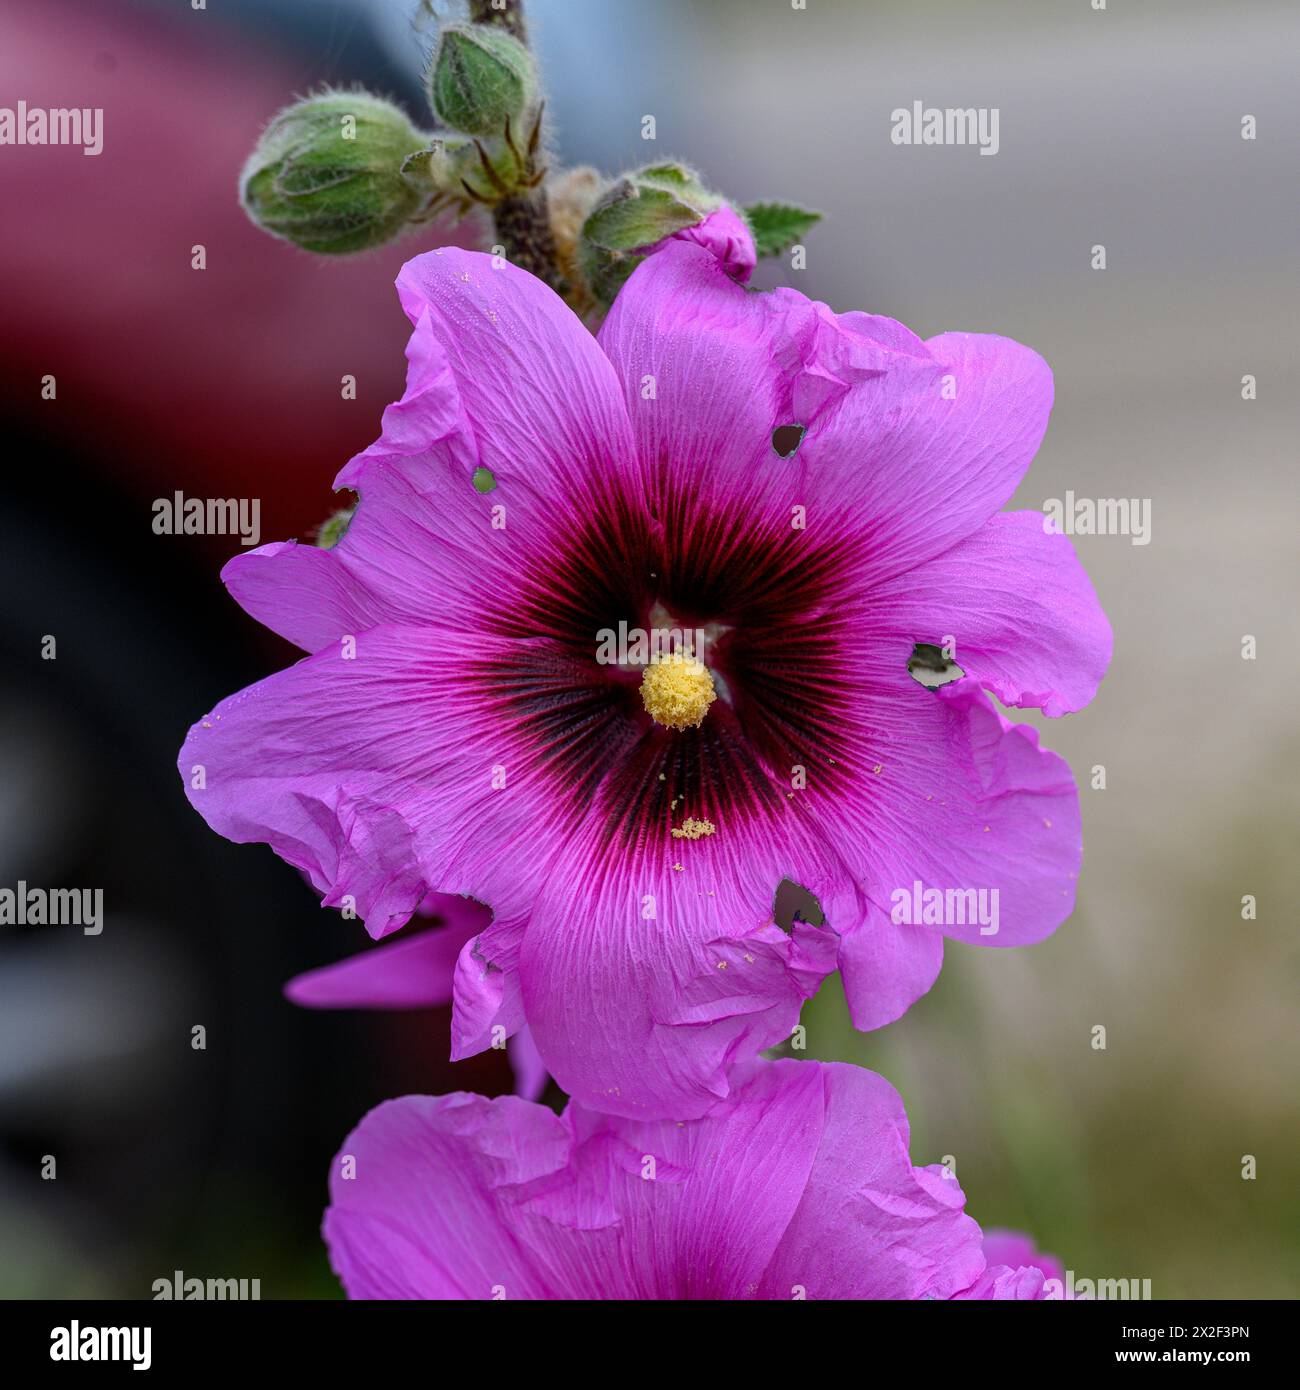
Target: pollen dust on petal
692,829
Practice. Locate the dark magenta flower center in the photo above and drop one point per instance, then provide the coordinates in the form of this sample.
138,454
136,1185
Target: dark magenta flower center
775,601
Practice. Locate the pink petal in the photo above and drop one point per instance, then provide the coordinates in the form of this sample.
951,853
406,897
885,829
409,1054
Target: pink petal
511,379
926,453
418,1190
1001,1284
643,1015
952,798
413,971
724,234
801,1181
526,1062
709,371
886,968
486,992
1025,616
909,446
870,1225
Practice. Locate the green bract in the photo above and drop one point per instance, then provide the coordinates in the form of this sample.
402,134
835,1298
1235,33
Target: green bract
635,212
778,226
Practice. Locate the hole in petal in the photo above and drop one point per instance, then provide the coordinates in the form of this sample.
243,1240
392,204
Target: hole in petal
929,667
483,480
786,439
795,903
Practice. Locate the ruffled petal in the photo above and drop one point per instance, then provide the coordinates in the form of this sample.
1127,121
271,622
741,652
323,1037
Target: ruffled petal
487,1001
510,380
418,1191
870,1225
384,769
724,233
799,1185
303,593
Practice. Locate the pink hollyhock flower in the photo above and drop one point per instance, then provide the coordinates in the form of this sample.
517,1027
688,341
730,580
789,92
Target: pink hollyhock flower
798,1186
816,494
416,970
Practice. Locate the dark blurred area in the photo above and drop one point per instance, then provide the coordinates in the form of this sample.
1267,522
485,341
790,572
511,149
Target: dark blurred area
1119,127
223,382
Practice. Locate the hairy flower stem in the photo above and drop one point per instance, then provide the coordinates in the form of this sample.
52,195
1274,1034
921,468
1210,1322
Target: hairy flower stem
523,223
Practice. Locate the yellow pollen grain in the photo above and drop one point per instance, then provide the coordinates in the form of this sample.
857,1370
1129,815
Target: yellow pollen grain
692,829
677,691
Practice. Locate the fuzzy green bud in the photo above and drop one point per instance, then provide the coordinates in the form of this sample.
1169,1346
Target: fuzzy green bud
332,174
481,77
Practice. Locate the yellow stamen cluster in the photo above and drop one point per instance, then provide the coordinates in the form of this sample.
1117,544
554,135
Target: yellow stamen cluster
677,691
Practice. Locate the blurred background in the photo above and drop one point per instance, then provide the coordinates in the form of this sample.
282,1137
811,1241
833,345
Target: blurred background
1119,127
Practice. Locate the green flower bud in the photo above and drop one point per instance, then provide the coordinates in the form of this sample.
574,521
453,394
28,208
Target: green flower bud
333,174
481,77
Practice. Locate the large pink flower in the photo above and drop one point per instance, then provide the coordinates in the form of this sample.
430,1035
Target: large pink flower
798,1186
818,494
